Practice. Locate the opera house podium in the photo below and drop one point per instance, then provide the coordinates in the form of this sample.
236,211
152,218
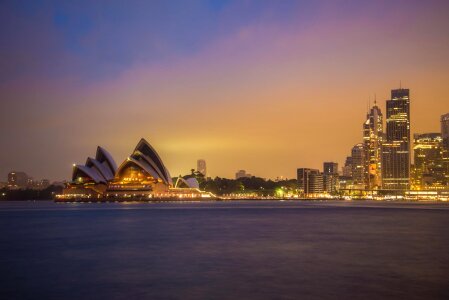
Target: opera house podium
141,177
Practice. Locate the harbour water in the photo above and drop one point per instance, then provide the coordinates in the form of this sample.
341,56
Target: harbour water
224,250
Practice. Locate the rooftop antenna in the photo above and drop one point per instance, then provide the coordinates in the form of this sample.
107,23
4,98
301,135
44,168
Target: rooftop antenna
375,100
369,103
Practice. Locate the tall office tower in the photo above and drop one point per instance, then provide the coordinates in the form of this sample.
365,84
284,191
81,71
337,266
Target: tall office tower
358,165
347,168
330,177
330,168
310,181
201,166
445,150
445,130
396,148
372,139
428,168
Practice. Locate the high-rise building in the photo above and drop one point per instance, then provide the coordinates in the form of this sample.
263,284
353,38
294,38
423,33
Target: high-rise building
17,180
330,177
358,165
445,131
445,150
347,168
372,139
330,168
428,168
201,166
396,148
310,181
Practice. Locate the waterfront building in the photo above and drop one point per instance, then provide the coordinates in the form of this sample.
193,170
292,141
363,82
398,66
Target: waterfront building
345,182
396,148
330,177
201,166
330,183
358,165
445,146
372,139
142,175
17,180
428,170
37,184
242,174
310,181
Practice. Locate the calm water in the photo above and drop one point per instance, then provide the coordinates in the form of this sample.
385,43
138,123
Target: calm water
223,250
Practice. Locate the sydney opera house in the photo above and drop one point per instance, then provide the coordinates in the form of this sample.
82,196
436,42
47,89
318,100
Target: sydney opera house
142,176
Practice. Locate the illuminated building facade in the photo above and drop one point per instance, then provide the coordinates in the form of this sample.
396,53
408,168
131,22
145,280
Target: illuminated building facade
310,181
396,148
142,175
445,131
330,177
445,145
17,180
347,168
330,168
372,139
428,170
358,165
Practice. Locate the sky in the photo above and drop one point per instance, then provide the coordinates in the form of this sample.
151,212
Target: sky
264,86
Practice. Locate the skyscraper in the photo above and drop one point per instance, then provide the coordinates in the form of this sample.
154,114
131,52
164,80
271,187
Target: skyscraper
330,168
201,166
445,150
358,165
396,148
330,177
445,131
347,168
428,168
372,139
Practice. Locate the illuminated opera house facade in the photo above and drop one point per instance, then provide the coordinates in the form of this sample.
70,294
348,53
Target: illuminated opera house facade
141,176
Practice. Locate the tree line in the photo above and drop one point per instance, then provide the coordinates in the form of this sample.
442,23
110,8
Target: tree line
247,185
30,194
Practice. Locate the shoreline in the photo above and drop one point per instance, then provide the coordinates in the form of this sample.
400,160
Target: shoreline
199,200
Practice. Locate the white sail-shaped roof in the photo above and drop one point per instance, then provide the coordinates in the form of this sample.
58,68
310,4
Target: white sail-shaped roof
193,183
102,168
91,173
141,165
189,182
139,156
104,157
145,150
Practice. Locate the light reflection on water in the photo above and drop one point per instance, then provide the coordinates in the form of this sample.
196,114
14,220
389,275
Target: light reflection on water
224,250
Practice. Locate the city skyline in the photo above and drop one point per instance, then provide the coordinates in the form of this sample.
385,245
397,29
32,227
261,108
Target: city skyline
267,84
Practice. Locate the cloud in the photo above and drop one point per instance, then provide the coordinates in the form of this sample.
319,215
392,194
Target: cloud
267,95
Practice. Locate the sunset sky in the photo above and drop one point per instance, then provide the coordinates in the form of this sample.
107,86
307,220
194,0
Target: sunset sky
265,86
